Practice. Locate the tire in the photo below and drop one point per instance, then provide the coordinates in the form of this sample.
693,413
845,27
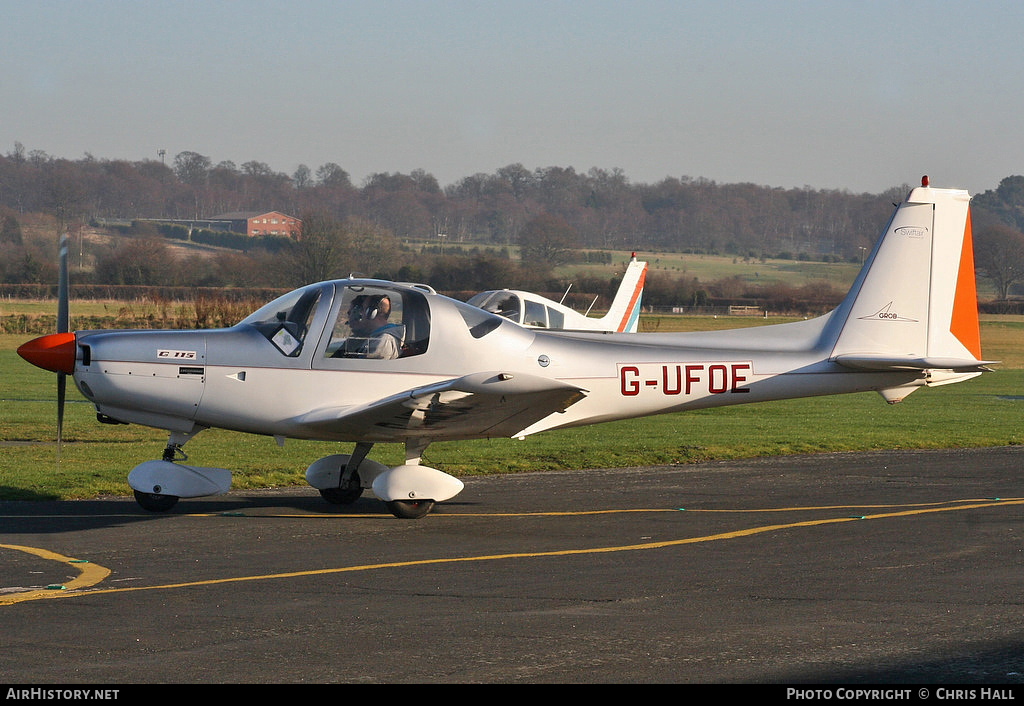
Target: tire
155,502
339,496
410,509
344,496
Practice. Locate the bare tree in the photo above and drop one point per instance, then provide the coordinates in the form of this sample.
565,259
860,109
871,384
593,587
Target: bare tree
999,255
546,241
330,174
321,252
192,168
137,261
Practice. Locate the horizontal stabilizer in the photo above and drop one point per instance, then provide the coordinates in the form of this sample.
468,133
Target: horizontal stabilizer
881,363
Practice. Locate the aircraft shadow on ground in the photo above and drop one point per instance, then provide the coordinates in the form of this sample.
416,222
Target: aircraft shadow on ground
43,514
993,662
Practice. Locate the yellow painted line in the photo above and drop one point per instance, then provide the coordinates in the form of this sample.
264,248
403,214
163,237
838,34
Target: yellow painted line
951,503
581,513
919,510
89,574
436,515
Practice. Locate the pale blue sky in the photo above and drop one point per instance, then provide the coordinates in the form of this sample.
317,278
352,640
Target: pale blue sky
857,95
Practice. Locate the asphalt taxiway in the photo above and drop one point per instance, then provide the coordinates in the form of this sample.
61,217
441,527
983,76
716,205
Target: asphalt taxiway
883,567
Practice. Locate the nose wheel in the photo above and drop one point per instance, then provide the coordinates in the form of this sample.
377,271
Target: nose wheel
158,485
154,502
410,509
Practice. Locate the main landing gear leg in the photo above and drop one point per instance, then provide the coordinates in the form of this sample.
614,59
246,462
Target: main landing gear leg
409,490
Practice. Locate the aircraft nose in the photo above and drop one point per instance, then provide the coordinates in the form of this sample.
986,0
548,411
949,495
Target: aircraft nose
55,352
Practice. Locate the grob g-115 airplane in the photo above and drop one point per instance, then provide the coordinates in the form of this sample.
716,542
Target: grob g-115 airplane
314,364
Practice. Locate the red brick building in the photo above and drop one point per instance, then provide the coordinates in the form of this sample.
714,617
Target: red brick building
255,223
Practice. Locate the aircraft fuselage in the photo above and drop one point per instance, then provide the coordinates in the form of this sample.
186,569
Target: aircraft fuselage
237,379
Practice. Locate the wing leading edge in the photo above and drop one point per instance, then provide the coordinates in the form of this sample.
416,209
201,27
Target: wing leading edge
489,404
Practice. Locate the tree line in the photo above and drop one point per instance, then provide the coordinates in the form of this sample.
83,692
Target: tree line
549,215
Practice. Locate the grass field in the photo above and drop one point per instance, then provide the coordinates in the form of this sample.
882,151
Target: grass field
95,458
709,268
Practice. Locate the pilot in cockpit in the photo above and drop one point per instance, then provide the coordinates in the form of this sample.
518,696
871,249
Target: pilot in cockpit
373,336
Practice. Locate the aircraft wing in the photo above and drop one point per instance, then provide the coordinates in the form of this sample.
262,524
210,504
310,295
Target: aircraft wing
490,404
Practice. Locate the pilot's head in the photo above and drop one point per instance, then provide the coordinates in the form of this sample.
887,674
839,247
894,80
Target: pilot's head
369,311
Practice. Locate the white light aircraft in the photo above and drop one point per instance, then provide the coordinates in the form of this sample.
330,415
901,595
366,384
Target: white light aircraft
535,311
313,365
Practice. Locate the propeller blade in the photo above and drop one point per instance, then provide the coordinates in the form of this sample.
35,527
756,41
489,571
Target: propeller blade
62,285
61,385
63,324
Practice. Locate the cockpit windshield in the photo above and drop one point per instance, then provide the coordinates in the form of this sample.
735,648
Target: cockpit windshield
480,322
501,302
285,321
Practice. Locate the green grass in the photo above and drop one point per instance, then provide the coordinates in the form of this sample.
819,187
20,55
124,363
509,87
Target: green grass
95,458
709,268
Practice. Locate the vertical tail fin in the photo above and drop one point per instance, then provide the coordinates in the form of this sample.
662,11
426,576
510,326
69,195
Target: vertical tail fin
624,313
914,304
